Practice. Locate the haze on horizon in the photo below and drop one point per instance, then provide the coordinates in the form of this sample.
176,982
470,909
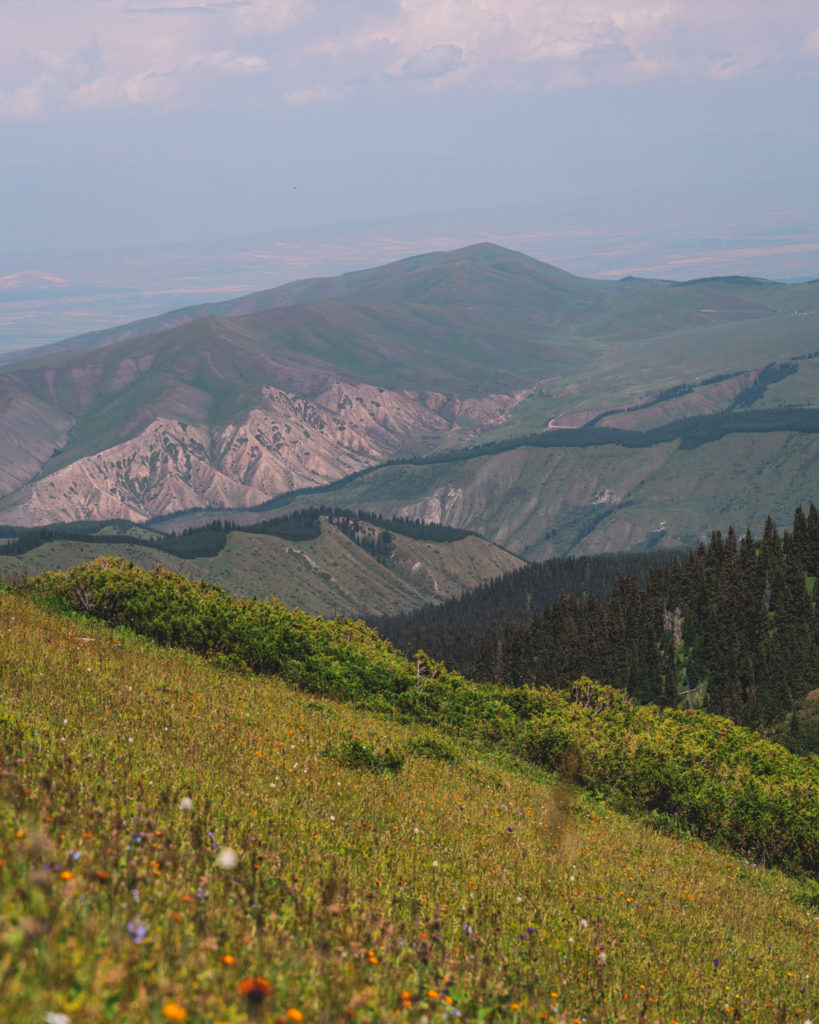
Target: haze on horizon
673,138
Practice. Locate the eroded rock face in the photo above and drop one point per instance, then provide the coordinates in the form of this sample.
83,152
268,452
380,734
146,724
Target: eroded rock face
286,442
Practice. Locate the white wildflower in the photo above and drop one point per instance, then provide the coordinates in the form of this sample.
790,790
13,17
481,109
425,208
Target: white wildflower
186,804
227,859
49,1017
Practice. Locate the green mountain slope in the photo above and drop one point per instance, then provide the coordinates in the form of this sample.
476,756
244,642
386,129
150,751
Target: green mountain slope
453,883
322,575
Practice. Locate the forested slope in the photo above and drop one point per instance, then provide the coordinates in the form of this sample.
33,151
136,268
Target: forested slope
732,628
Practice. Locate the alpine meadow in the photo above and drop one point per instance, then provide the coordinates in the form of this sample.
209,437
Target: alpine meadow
426,643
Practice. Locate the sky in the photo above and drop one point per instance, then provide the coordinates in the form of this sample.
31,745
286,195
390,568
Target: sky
686,126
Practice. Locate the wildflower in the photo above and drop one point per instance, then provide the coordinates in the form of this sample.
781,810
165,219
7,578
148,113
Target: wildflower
435,863
49,1017
255,989
584,923
433,994
66,875
137,930
173,1011
102,876
294,1014
227,959
515,1006
227,859
601,958
186,804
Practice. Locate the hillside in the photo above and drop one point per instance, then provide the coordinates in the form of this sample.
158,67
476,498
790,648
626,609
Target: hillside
232,404
319,563
732,627
459,629
189,842
595,490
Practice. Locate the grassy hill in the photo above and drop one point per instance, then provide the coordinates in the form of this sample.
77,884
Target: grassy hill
322,573
181,841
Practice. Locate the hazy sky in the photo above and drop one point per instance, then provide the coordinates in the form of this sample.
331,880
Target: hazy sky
129,122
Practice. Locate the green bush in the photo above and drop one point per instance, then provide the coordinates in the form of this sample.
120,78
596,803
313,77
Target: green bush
355,754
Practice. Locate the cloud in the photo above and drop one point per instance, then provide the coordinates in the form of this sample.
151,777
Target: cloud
58,55
109,53
434,62
321,94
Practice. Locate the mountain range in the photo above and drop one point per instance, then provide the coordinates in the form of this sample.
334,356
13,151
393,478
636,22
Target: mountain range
238,404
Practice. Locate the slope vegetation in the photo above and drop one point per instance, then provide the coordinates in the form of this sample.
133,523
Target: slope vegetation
709,774
182,841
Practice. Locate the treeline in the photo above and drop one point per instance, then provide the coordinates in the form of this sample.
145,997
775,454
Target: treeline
732,628
677,391
367,529
696,770
195,542
459,629
770,374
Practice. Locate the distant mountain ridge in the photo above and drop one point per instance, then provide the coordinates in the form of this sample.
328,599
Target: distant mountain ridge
230,404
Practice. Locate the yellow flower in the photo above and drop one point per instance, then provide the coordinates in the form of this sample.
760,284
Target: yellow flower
173,1011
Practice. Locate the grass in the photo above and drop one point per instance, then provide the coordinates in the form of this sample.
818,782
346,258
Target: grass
458,884
320,576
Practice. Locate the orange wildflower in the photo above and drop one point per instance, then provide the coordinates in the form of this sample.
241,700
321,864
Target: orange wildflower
227,959
295,1014
173,1011
255,989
